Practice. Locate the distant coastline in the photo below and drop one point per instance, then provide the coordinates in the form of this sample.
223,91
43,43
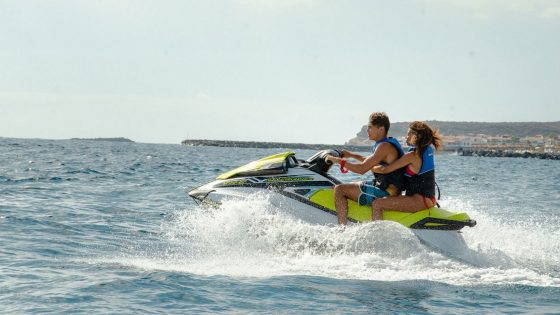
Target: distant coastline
304,146
489,139
509,153
491,129
119,139
271,145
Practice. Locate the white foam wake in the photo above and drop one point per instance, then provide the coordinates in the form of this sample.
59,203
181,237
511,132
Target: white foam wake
251,238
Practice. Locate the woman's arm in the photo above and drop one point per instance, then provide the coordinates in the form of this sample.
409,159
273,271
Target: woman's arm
405,160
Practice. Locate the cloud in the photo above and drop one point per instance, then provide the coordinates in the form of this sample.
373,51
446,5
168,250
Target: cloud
552,12
490,8
280,4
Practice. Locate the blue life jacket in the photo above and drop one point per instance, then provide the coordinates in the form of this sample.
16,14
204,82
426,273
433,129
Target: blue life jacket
396,178
423,183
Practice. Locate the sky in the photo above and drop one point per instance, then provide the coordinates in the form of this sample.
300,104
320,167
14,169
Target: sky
307,71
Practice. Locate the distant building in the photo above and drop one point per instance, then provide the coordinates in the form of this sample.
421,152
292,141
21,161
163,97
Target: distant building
538,143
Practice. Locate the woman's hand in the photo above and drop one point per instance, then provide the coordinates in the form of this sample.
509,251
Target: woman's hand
380,169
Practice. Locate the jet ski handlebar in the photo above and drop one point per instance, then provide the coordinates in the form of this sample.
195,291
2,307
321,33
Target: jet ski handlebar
336,153
318,163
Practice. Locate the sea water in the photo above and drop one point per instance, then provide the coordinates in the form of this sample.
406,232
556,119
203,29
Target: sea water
106,227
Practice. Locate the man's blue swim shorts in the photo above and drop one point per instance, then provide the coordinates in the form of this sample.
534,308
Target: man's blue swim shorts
368,193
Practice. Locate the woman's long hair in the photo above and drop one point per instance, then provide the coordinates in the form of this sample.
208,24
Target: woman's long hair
425,136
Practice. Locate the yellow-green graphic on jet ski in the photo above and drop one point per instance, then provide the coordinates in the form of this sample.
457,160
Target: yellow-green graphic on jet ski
433,218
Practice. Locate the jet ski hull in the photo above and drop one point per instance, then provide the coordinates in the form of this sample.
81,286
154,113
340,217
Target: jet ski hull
317,204
448,241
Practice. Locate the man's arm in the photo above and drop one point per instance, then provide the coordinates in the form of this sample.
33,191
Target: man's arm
348,154
368,163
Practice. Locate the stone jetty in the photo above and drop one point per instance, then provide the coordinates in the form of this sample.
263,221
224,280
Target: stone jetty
507,153
273,145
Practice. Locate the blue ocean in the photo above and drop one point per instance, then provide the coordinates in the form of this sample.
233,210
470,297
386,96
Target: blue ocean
106,227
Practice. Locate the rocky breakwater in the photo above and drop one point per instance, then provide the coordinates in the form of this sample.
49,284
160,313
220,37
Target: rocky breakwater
271,145
506,153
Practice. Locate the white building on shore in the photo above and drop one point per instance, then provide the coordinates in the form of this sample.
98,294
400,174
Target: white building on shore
537,143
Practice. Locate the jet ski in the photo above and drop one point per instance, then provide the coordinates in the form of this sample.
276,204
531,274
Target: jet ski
304,189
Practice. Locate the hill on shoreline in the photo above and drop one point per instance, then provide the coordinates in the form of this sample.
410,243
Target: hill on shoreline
118,139
455,128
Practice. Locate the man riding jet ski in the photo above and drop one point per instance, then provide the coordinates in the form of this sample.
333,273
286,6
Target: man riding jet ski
304,189
386,150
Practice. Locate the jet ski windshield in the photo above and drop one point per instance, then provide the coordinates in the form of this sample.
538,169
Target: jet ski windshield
280,163
270,165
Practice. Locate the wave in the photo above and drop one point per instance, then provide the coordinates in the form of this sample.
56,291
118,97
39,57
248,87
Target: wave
530,242
84,171
35,179
251,238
